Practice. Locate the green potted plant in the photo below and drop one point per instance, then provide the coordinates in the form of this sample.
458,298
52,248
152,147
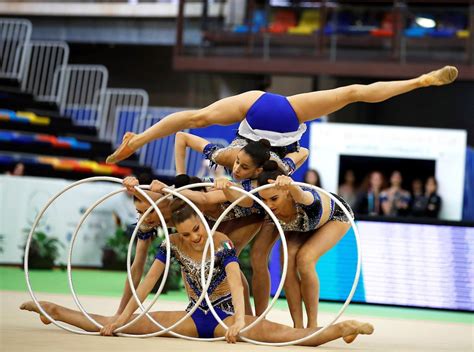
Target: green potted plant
44,251
114,253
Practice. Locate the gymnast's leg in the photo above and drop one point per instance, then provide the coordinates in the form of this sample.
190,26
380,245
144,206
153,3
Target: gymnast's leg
292,284
142,326
223,112
259,256
309,106
321,241
241,231
267,331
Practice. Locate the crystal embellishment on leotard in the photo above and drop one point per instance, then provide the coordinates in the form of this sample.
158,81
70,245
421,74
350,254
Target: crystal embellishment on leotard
218,291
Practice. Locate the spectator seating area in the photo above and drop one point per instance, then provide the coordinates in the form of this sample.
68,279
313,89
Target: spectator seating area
40,96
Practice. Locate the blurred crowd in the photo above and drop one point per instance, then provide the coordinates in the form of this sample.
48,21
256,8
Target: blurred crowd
375,196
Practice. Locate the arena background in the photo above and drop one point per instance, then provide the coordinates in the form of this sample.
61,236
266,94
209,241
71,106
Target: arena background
145,59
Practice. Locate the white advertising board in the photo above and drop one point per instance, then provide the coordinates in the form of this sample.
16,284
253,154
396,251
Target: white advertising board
446,147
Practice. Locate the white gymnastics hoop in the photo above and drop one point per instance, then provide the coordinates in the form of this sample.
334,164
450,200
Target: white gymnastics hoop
73,240
205,287
354,285
105,178
28,244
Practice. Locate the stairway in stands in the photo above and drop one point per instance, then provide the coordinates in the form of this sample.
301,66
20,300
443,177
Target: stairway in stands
47,144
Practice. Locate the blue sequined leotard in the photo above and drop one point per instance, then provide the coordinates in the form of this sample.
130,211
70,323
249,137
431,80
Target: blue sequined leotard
219,290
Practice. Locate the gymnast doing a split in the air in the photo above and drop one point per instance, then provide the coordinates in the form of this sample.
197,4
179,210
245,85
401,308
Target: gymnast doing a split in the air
274,117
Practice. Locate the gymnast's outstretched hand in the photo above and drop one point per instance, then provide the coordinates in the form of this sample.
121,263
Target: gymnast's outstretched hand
282,182
222,183
234,330
157,186
108,329
130,182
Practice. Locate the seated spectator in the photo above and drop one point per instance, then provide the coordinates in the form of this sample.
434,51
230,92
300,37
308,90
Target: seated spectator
395,200
418,199
347,189
18,170
311,177
368,201
433,199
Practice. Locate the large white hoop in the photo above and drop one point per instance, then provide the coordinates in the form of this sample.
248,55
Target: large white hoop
356,278
28,244
209,241
154,206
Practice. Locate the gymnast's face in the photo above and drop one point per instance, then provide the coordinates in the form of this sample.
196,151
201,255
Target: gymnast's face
244,167
275,199
192,231
151,219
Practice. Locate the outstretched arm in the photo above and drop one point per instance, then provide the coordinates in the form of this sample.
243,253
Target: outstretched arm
143,290
299,195
137,272
237,291
292,161
299,157
205,198
224,184
184,140
218,154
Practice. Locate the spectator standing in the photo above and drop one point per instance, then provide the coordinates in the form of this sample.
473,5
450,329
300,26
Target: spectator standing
312,177
419,201
368,201
433,199
347,189
395,200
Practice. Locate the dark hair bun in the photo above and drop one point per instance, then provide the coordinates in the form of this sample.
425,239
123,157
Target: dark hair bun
182,180
177,205
270,165
265,143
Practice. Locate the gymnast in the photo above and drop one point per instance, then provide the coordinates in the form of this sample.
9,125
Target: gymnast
225,293
246,162
243,159
313,224
275,117
242,225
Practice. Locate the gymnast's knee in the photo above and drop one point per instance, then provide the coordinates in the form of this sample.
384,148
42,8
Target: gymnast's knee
258,261
200,119
353,93
305,263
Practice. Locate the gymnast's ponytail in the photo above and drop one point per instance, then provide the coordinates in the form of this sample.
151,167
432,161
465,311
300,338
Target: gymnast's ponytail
270,172
180,211
258,151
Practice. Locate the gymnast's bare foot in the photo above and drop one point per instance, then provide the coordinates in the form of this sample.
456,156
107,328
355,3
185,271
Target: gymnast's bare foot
440,77
352,328
49,307
125,149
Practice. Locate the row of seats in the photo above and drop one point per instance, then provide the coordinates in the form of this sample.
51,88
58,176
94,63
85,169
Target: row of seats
44,139
285,21
24,117
67,164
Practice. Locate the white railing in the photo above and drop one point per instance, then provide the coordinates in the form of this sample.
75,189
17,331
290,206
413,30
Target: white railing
118,107
42,60
80,87
14,34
